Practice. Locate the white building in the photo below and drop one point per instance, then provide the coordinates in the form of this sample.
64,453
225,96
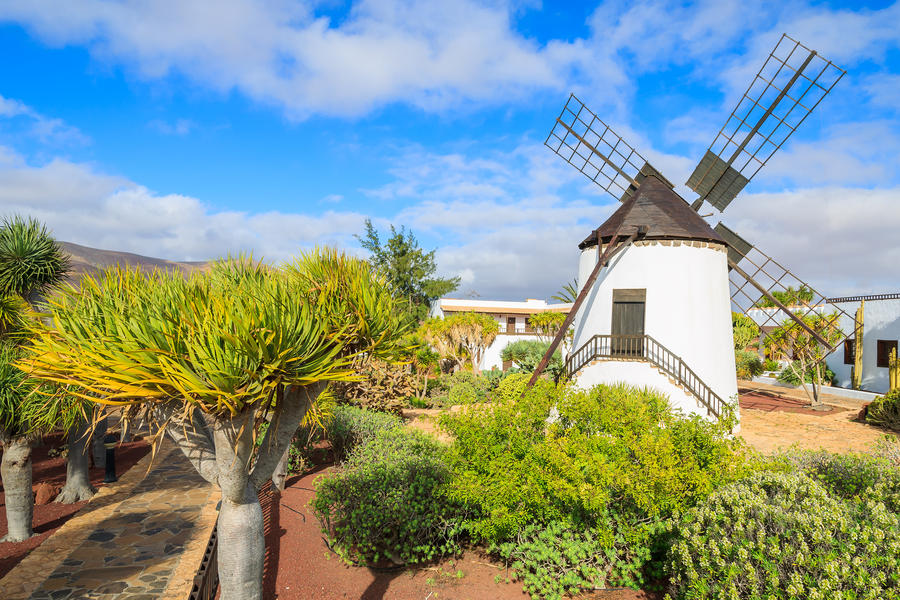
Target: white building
881,332
512,317
659,313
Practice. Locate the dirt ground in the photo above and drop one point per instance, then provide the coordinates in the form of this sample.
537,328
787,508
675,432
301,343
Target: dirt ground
790,422
50,517
300,566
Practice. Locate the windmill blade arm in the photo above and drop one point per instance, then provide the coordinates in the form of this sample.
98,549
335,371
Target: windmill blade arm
587,143
790,84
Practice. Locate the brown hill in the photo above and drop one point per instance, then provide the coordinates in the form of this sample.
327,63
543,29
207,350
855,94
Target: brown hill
89,261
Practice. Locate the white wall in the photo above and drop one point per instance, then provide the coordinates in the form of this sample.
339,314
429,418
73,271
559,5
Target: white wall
688,307
881,321
491,356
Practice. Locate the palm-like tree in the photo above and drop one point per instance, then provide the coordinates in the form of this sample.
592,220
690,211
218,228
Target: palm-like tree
210,355
31,264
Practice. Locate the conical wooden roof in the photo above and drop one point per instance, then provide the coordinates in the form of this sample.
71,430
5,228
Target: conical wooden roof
661,210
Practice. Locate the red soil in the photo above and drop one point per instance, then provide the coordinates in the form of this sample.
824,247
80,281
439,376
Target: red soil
300,566
770,401
50,517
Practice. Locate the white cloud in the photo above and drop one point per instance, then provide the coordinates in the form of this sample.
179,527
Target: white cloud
178,127
840,239
83,205
47,130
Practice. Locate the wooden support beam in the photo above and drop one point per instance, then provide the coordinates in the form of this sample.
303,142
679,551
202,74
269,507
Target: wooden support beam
611,250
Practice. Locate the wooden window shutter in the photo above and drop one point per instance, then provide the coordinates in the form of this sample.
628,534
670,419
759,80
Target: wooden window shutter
849,352
884,352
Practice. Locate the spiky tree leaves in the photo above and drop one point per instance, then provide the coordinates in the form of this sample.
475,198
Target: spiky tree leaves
210,355
31,264
31,261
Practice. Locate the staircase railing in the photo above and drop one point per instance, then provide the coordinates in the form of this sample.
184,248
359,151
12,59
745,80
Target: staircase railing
645,348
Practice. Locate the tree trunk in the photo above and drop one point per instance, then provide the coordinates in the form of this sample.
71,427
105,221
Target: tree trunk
78,481
280,473
240,527
98,450
15,469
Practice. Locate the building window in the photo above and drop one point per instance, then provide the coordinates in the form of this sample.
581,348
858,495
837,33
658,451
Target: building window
849,352
884,351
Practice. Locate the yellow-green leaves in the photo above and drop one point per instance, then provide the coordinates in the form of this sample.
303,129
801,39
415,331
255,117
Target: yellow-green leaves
222,340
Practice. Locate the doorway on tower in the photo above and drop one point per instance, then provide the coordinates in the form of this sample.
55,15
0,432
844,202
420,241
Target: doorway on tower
628,322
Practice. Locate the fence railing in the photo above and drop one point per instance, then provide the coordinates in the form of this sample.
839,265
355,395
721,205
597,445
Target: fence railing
645,348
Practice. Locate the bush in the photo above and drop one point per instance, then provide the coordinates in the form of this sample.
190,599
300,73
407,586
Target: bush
382,386
558,559
780,535
611,452
747,364
888,448
386,502
771,365
789,374
351,426
527,354
463,387
855,477
885,411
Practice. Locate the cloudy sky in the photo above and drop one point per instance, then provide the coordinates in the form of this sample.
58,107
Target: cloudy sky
188,129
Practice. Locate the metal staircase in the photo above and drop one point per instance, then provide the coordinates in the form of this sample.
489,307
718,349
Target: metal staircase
644,348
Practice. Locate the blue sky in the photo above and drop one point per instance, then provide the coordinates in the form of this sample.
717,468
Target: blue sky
188,129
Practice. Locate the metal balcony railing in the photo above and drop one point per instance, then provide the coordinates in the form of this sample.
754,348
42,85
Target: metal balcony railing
646,349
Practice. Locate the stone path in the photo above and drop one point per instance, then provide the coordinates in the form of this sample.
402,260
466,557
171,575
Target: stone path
142,540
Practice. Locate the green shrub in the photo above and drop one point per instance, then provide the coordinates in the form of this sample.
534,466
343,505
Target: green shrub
557,559
780,535
526,354
748,364
885,411
855,477
888,448
611,452
789,374
351,426
771,365
463,387
386,501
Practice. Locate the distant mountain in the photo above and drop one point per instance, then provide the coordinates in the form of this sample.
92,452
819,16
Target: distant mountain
89,261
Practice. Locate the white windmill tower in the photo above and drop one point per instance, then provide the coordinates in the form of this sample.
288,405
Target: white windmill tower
658,284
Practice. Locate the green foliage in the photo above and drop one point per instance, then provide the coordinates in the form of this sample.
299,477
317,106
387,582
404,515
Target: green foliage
568,292
527,354
547,323
885,411
770,365
789,374
409,269
463,387
12,318
748,364
789,297
223,340
386,501
856,477
559,454
781,535
745,330
888,448
31,261
351,426
558,559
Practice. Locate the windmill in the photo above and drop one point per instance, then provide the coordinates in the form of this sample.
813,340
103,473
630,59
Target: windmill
791,83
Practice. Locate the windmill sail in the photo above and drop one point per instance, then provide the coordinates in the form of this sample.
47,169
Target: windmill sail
790,84
591,146
771,295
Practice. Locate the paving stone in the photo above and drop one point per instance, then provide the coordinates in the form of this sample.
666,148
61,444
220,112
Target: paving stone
134,550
